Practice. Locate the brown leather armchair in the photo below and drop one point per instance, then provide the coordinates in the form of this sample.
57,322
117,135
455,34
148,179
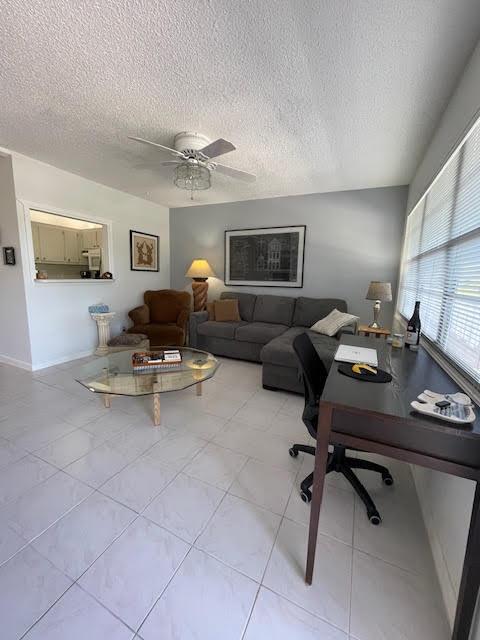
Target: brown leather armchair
163,317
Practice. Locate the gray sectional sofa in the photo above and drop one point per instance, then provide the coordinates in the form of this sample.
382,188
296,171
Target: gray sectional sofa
265,334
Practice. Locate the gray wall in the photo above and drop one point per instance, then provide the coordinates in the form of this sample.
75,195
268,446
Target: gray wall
352,237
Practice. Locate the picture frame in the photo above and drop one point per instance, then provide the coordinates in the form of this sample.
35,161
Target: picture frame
265,257
144,251
9,256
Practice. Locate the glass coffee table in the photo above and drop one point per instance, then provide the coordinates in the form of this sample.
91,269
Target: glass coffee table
113,375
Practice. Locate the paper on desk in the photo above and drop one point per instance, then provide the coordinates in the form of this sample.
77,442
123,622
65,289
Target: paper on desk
349,353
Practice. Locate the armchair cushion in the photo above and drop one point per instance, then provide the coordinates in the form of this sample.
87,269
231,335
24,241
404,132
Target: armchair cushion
140,315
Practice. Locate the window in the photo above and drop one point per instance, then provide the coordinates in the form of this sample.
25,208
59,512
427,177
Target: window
441,259
67,247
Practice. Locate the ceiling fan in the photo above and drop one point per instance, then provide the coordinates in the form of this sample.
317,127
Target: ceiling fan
194,160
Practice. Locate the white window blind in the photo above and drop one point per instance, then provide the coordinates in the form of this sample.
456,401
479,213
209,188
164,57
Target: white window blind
441,259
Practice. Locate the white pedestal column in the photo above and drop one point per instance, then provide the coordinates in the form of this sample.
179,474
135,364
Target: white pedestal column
103,325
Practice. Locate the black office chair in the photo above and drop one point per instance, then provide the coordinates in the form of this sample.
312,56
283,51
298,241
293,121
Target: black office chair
314,376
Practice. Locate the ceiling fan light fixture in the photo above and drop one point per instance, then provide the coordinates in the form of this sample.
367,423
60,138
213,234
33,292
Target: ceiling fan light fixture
192,177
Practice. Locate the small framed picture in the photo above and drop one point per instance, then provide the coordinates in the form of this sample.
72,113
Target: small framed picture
143,251
8,255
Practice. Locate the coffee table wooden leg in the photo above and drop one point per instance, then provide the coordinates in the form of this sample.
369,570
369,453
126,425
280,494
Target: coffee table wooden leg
156,409
107,400
199,388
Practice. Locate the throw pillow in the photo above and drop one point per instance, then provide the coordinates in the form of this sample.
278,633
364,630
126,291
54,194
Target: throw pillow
226,311
211,310
332,323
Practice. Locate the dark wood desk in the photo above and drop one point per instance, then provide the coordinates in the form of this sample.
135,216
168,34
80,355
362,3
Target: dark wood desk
378,418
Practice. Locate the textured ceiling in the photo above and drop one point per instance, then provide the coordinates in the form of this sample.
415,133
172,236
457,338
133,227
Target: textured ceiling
317,95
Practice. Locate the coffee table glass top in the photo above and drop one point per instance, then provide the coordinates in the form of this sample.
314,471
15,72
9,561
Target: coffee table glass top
113,373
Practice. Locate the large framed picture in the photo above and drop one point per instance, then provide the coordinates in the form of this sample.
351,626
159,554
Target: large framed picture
143,251
270,257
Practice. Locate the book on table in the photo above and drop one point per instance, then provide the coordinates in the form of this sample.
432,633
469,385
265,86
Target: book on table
163,360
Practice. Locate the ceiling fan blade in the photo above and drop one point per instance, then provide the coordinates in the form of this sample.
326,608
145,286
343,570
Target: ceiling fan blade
170,163
159,146
235,173
217,148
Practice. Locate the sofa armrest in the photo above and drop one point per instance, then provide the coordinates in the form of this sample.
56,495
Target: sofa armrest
140,315
196,318
348,329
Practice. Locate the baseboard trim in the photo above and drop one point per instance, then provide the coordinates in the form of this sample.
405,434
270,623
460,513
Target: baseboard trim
21,364
71,356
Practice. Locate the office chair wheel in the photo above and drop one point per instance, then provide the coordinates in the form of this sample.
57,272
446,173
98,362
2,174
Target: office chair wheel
293,452
374,518
388,480
306,495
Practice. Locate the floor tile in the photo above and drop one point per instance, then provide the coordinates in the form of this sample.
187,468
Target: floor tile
257,444
329,595
9,452
130,576
336,515
85,413
218,610
275,617
10,541
29,585
241,535
136,485
256,415
18,477
177,449
110,424
75,541
78,616
39,436
69,448
266,486
99,465
388,602
401,538
185,506
197,423
137,440
216,465
35,510
290,428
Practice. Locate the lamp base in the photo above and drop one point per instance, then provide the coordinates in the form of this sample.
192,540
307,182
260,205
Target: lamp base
376,313
374,325
200,293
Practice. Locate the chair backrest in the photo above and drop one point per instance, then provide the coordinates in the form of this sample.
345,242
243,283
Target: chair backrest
314,376
166,304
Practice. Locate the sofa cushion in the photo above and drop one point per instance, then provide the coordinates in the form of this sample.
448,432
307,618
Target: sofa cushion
331,324
310,310
274,309
259,332
246,303
280,350
219,329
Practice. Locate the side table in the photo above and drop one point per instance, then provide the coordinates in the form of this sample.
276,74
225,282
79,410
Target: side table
380,332
103,326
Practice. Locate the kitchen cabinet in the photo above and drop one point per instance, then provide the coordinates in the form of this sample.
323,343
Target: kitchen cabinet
58,245
36,241
72,246
52,244
91,239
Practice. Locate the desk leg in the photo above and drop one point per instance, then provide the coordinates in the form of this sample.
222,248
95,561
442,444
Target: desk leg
320,468
467,595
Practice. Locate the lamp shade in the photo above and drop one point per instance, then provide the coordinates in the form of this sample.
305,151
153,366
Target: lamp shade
200,269
379,291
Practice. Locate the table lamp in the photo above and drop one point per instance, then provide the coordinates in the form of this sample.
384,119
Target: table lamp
380,292
199,271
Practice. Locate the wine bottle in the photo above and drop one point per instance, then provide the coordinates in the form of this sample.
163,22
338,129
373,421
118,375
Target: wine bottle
414,325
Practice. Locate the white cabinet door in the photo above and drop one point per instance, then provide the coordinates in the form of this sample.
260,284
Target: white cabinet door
89,239
71,246
52,244
36,241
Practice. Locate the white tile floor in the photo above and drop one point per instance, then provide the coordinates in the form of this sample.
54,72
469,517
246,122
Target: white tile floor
113,529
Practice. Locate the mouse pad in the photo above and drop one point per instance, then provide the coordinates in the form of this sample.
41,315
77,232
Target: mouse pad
382,376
